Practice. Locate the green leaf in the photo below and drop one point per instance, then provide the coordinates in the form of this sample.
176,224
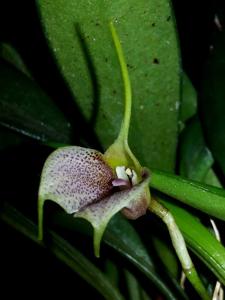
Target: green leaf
64,252
122,237
80,39
189,99
212,179
133,286
25,108
206,198
112,272
199,240
195,158
166,254
9,54
196,162
212,99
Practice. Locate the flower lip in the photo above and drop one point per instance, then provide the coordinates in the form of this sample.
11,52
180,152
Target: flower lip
118,182
139,207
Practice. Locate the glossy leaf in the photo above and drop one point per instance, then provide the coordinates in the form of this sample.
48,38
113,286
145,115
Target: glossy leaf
25,108
212,99
80,39
64,252
206,198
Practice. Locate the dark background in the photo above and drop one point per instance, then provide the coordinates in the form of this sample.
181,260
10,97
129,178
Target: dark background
26,271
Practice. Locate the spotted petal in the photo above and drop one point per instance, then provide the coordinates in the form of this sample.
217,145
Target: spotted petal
74,177
100,213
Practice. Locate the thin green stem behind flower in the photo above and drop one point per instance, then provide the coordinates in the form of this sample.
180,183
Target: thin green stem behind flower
124,130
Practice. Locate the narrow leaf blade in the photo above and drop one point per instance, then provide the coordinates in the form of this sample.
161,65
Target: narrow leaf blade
206,198
64,252
25,108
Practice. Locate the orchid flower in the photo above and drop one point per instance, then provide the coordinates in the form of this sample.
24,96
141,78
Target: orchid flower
96,186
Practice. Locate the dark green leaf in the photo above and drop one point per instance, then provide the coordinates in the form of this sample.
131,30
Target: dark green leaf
196,162
112,272
132,286
166,254
212,99
25,108
9,54
121,236
79,36
195,157
63,251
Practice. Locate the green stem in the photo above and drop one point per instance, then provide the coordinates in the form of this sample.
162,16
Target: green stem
180,247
